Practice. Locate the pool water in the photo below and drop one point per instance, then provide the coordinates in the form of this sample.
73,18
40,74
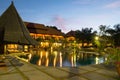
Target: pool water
60,60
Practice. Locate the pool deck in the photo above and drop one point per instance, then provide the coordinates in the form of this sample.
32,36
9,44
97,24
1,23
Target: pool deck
12,68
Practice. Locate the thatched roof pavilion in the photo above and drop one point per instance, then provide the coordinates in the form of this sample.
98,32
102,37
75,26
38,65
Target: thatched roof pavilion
13,29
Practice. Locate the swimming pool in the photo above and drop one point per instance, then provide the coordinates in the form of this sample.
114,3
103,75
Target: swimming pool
58,59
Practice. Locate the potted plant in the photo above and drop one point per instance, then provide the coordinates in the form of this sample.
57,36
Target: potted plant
114,57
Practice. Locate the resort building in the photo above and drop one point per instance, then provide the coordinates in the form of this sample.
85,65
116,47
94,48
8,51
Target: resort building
44,34
70,36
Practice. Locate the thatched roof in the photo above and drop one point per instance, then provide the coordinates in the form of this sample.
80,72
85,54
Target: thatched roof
70,34
42,29
13,29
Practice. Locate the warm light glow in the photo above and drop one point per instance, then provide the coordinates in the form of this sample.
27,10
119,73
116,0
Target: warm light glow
55,58
44,44
25,48
47,61
70,38
80,44
85,44
96,38
90,44
57,44
41,54
55,53
73,60
43,36
54,61
12,47
29,57
46,54
106,59
39,62
97,60
60,59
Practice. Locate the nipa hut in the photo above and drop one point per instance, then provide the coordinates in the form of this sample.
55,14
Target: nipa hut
13,29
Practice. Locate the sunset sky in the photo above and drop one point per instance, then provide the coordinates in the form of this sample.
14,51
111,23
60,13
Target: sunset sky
67,14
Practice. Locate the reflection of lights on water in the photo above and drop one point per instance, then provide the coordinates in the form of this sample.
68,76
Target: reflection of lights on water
99,60
54,61
29,57
96,60
51,49
55,53
60,59
105,59
55,58
39,62
42,53
46,54
47,61
73,60
78,56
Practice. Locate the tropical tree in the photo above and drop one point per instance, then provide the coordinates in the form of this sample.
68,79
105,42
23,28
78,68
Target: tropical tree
104,38
103,29
115,34
85,35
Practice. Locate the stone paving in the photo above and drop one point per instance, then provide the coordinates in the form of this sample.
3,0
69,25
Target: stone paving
15,69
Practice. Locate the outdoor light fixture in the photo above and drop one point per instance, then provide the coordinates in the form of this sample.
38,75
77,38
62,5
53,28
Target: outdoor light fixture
96,38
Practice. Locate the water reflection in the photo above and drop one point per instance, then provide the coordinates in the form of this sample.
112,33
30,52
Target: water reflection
60,59
56,58
43,58
97,60
73,59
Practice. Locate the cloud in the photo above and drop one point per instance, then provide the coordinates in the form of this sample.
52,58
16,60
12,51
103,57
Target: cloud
59,21
115,4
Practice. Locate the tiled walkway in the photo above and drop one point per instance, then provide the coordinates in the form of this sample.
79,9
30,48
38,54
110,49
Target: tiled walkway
14,69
